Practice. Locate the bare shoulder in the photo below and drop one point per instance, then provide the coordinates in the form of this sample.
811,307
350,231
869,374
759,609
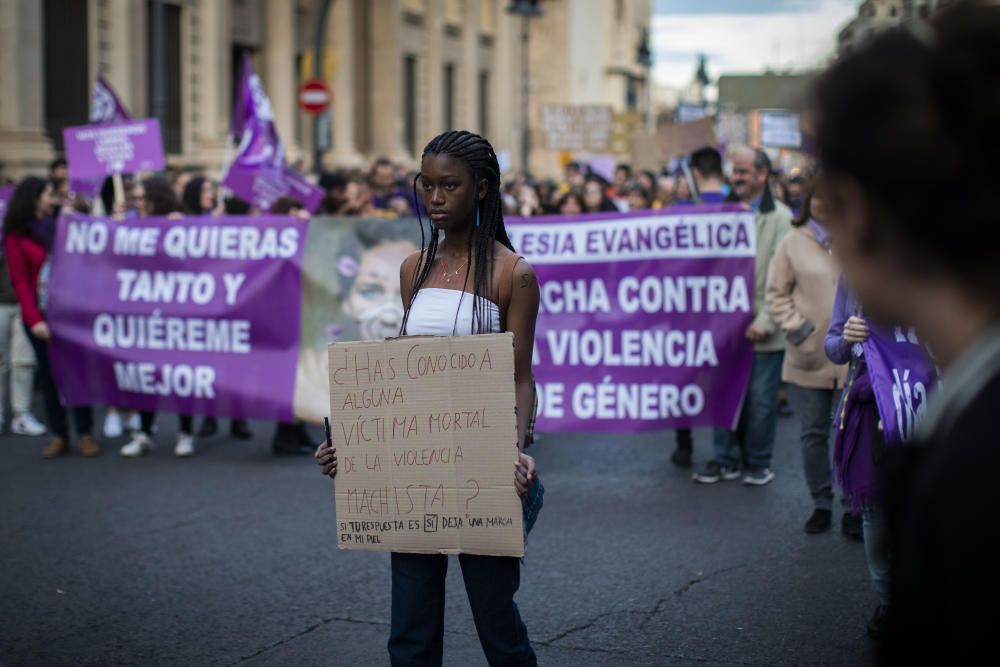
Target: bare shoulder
410,264
524,276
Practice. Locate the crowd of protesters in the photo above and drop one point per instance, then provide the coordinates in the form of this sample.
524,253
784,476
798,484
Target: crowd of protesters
804,322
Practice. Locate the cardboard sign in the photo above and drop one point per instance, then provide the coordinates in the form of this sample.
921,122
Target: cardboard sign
577,128
97,151
426,440
679,139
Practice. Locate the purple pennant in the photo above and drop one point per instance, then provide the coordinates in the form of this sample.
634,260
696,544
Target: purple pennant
107,107
902,375
258,173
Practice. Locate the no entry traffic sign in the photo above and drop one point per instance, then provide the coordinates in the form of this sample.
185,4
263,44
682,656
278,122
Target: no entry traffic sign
314,97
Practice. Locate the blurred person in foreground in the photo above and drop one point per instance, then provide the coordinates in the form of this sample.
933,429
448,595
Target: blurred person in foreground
29,232
913,215
752,443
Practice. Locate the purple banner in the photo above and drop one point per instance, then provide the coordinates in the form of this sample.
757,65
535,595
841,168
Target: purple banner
903,375
264,185
642,318
197,315
97,151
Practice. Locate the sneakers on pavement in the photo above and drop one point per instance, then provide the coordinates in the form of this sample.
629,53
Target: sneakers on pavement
113,424
133,422
819,522
185,445
209,427
714,471
26,424
758,476
138,445
58,447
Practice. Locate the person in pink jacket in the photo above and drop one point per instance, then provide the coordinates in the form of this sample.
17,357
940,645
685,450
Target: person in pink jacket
801,283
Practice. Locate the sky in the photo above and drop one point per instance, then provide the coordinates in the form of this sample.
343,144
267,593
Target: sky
741,36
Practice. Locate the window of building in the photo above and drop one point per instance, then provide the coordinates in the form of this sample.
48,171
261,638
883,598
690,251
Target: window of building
488,17
65,71
619,10
631,94
454,12
449,97
484,103
410,103
170,121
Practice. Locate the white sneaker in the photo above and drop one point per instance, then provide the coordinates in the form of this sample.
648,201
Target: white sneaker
133,423
26,424
138,445
113,425
185,445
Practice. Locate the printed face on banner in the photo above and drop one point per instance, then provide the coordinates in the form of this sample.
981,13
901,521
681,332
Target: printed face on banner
350,293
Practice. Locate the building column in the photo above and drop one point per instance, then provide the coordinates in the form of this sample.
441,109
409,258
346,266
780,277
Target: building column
118,51
506,88
344,45
279,69
387,85
469,115
24,148
430,105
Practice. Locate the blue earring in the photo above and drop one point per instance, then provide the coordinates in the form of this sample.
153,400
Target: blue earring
477,216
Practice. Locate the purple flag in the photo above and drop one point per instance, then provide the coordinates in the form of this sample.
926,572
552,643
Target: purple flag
6,192
106,107
198,315
642,318
97,151
902,375
258,173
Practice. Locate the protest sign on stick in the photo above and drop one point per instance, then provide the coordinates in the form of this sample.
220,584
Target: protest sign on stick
426,440
97,151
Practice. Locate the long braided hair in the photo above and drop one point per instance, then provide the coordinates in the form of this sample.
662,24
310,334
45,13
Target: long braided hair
477,152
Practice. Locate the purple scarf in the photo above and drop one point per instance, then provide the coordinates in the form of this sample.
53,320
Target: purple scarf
853,445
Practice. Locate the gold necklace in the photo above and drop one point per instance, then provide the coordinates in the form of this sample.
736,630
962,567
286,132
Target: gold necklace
448,276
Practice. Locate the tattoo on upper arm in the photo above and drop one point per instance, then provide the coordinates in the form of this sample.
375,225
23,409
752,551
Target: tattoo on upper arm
528,280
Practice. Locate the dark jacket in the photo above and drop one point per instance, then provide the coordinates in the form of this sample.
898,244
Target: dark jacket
943,513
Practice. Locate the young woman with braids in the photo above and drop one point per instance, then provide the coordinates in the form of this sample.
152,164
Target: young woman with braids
469,282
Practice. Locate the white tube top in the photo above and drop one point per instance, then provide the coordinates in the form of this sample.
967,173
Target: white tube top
434,309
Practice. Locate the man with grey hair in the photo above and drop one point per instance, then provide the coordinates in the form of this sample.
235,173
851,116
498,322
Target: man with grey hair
752,443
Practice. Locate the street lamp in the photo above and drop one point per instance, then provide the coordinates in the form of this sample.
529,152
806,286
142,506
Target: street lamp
526,9
644,58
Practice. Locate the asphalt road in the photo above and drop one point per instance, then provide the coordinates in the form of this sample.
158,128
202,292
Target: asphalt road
230,558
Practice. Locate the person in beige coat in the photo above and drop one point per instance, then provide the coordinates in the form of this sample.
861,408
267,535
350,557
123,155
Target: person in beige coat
801,283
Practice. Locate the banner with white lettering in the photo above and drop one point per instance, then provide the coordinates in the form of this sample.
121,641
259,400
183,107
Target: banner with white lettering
197,315
642,317
903,377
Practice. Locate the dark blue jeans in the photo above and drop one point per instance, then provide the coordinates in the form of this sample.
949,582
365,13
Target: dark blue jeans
753,441
416,638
